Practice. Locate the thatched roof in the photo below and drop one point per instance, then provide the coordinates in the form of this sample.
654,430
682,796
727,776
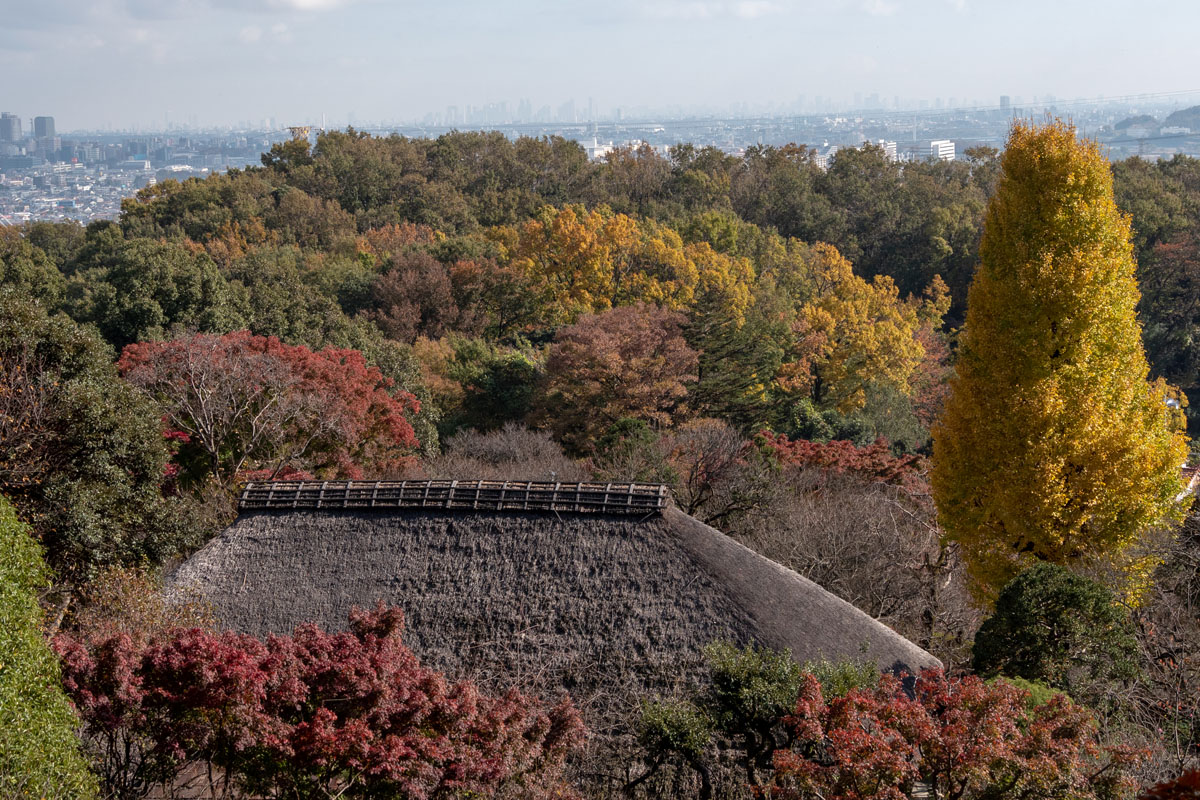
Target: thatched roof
605,606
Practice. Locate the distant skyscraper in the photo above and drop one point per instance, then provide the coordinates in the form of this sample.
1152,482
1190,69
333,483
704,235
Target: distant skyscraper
10,128
43,127
1005,103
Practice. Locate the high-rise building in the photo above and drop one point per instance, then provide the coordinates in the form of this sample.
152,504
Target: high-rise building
43,127
941,149
10,128
1005,103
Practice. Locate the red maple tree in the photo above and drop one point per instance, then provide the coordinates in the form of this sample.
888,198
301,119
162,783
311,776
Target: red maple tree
960,738
314,714
252,402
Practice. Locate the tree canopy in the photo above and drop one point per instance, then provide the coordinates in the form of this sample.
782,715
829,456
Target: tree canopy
1054,446
82,453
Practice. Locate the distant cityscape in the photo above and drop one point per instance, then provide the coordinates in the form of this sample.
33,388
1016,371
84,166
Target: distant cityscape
85,175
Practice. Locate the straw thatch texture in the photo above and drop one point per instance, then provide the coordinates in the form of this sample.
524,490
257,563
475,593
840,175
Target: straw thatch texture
599,605
611,609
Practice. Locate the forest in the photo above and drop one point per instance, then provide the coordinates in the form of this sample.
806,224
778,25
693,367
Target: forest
818,363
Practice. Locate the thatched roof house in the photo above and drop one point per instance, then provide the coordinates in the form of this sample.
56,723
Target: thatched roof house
604,591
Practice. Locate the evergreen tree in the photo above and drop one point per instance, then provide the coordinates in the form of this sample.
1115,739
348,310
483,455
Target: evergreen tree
82,453
1059,629
1053,445
39,753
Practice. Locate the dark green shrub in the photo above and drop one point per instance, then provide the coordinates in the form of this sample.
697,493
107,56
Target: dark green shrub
39,752
1058,628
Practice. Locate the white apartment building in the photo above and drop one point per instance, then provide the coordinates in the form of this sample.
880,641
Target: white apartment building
941,149
824,158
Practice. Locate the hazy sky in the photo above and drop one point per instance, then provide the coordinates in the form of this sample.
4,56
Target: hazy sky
95,62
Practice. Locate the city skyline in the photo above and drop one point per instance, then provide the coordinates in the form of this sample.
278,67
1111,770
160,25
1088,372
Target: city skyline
133,63
523,114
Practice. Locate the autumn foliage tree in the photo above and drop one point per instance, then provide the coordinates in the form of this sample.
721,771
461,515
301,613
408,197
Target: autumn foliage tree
590,261
866,333
414,296
240,402
1185,787
313,714
960,737
874,462
1054,446
630,362
843,731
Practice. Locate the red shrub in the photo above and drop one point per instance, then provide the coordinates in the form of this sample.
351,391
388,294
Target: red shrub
960,737
1185,787
348,714
874,462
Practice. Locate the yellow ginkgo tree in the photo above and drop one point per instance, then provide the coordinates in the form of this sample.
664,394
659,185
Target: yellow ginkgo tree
868,332
1054,445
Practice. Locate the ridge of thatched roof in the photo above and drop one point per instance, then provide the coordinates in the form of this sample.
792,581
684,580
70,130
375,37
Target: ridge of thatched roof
455,495
605,606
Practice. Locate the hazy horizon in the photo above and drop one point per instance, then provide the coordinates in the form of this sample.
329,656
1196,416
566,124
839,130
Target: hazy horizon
216,62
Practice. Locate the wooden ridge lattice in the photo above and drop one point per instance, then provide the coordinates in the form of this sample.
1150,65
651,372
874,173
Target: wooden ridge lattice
578,498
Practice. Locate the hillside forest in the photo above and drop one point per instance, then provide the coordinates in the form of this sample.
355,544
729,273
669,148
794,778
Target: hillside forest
818,362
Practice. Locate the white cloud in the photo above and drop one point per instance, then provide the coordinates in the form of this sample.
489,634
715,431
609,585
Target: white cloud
250,34
880,8
683,10
306,5
702,10
752,9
